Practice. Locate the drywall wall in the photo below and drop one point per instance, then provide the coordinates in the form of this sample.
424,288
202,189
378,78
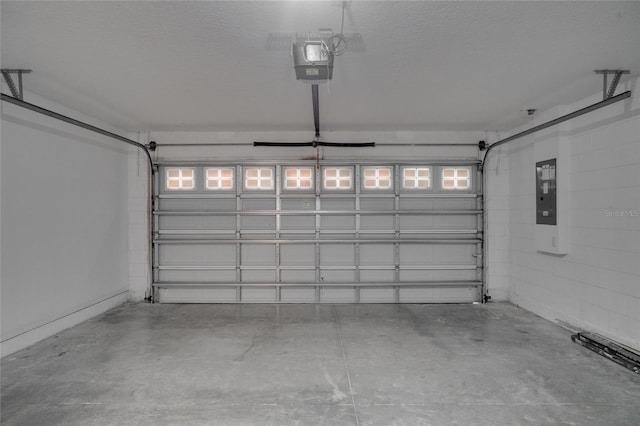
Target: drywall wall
596,285
237,146
64,224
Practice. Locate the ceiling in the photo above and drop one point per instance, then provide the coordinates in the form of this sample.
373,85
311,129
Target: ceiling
213,65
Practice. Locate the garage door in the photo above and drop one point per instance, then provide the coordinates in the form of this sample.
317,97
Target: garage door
317,232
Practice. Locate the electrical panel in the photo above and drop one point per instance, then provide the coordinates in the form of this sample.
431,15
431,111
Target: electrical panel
546,192
551,163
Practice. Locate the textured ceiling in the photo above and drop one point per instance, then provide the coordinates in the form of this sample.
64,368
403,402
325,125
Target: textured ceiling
419,66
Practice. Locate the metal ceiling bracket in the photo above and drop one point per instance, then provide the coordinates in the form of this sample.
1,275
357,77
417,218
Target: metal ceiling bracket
15,91
609,89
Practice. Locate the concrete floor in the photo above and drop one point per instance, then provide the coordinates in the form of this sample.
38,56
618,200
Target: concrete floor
143,364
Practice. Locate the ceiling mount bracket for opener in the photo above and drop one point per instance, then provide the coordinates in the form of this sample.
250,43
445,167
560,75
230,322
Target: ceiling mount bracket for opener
16,92
609,90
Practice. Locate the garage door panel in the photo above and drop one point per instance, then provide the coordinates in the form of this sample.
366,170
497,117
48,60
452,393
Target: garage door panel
377,204
223,223
262,223
338,295
437,295
258,295
377,295
409,204
254,234
337,275
258,254
376,275
455,222
377,254
235,245
454,254
341,222
466,203
180,222
337,254
197,204
416,254
377,223
197,295
203,254
297,295
301,222
196,223
297,276
438,224
433,254
413,275
199,276
297,255
338,222
258,275
251,222
297,223
410,223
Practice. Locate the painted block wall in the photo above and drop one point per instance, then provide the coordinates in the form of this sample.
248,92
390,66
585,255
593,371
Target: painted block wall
64,224
241,149
496,192
596,286
139,262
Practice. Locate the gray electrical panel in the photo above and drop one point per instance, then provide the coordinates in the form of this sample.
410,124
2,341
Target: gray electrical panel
546,195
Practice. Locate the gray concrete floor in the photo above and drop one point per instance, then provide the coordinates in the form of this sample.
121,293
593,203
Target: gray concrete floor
143,364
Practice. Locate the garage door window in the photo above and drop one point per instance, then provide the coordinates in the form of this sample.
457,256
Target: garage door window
180,178
258,178
219,179
298,178
376,178
338,178
456,178
416,178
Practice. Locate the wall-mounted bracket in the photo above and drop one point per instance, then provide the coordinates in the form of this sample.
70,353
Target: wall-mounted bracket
609,89
16,92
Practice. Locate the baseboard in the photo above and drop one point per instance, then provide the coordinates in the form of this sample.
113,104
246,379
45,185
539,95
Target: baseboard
30,337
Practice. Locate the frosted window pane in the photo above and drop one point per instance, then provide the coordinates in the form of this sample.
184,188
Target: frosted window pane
258,178
416,178
180,178
218,178
456,178
338,178
377,177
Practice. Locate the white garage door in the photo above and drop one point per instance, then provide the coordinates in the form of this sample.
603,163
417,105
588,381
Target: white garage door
308,232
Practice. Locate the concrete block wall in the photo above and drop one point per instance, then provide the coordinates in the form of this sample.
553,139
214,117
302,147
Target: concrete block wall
497,184
64,223
139,271
596,286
